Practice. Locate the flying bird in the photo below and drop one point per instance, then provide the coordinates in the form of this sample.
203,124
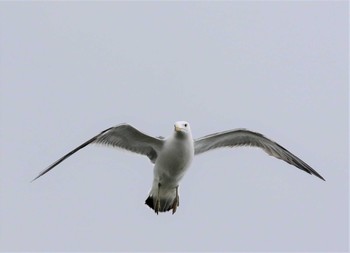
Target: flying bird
172,156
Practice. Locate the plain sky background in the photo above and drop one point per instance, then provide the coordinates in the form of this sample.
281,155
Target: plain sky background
70,70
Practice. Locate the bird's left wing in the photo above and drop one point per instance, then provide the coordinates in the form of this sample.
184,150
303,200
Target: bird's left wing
242,137
122,136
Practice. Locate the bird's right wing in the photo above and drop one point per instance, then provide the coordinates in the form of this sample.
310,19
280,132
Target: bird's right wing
122,136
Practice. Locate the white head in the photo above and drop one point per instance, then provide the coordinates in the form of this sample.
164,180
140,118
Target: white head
182,127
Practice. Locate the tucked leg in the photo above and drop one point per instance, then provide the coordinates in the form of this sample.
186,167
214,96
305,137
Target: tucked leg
176,200
157,205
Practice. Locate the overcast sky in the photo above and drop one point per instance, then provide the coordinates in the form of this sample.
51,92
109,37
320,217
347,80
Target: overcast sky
71,70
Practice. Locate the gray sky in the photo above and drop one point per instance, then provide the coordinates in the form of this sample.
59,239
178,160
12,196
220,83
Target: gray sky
70,70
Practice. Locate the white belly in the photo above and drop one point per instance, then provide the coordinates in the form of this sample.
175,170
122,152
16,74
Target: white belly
173,162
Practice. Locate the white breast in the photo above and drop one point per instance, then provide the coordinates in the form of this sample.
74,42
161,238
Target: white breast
174,159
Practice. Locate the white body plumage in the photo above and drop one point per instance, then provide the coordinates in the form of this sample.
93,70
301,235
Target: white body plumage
171,165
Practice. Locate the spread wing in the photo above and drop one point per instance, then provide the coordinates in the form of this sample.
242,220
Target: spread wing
122,136
242,137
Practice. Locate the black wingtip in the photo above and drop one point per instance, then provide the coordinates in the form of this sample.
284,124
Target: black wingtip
313,172
36,178
319,176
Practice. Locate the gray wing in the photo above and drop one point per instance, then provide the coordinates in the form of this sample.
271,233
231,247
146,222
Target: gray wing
242,137
122,136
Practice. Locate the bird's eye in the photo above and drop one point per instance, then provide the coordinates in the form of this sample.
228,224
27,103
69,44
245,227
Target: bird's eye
185,125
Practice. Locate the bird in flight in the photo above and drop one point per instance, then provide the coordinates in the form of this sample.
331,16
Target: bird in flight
172,156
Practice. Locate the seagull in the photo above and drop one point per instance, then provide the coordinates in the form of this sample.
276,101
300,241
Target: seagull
172,156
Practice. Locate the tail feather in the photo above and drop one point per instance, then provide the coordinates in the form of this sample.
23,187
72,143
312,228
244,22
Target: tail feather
165,204
149,202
